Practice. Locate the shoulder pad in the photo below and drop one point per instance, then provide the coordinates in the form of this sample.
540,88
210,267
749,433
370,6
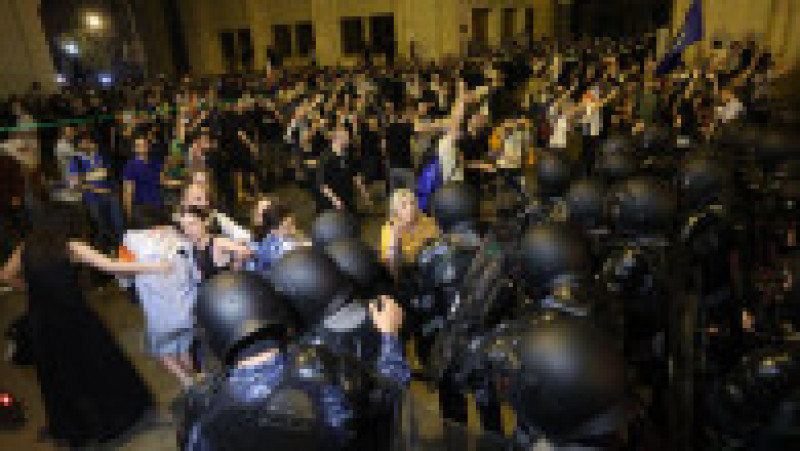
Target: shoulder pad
292,403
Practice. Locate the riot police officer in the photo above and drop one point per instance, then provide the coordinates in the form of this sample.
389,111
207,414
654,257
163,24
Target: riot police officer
585,204
615,161
561,372
334,314
554,261
756,404
362,266
455,208
458,269
291,396
565,381
334,225
371,282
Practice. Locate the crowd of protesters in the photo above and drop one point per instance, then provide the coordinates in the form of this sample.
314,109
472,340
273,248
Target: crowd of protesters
193,165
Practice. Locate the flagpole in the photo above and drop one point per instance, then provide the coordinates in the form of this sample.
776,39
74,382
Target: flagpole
787,29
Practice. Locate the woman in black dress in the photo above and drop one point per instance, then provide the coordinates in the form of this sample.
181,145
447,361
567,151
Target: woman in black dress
90,389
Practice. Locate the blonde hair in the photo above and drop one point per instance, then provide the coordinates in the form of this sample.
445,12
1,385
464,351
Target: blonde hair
399,196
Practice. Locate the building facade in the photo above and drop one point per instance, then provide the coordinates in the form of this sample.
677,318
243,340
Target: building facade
221,35
218,36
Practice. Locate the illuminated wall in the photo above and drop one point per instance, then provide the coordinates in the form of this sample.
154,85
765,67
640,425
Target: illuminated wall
438,27
203,20
264,14
153,31
24,56
543,16
326,17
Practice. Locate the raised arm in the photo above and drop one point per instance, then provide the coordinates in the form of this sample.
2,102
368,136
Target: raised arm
387,317
128,189
359,182
247,142
331,195
10,272
83,253
227,251
231,229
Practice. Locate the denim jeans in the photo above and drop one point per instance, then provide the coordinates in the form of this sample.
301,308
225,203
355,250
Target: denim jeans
106,214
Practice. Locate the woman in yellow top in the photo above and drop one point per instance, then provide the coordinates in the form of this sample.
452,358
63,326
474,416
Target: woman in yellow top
407,230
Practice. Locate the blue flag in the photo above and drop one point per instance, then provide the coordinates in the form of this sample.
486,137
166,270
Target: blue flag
691,32
429,181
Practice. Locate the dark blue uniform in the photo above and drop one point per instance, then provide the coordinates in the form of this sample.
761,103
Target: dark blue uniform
289,401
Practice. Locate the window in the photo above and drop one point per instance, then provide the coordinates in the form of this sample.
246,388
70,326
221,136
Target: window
529,23
282,40
304,36
381,31
352,36
245,47
227,40
480,26
508,25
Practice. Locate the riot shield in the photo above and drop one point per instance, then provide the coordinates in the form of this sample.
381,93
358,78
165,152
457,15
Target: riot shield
473,280
422,427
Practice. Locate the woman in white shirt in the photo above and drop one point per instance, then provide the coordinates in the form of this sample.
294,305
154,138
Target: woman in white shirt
167,299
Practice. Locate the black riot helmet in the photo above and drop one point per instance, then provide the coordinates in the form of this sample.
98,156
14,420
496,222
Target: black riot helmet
454,204
585,203
234,308
751,394
615,164
653,140
616,144
702,179
738,139
567,375
549,251
312,283
334,225
642,205
361,264
552,174
774,144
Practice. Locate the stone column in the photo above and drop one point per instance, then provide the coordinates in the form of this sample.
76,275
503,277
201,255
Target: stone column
24,54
